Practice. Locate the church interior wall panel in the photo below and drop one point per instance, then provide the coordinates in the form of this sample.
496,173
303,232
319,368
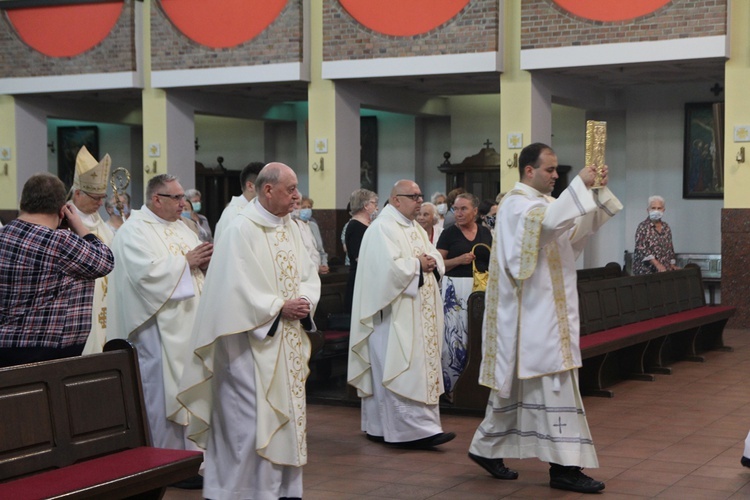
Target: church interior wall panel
239,141
735,264
280,42
116,53
435,140
545,25
474,29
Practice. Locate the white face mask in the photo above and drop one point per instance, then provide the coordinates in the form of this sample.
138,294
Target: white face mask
442,208
655,215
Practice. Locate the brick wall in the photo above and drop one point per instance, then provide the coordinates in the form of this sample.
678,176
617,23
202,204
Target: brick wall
114,53
280,42
544,24
474,29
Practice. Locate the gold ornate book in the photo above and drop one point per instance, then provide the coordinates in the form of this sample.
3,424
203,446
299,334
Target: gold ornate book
596,144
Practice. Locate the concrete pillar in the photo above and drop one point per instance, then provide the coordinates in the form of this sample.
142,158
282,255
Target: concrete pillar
333,127
735,217
525,102
23,131
168,137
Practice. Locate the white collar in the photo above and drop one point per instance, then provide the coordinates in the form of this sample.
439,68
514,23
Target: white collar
273,219
148,211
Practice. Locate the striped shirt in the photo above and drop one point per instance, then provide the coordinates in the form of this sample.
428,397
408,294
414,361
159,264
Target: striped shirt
47,284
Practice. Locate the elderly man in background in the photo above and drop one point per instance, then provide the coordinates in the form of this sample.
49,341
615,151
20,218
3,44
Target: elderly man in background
154,294
87,195
247,182
397,326
47,276
245,382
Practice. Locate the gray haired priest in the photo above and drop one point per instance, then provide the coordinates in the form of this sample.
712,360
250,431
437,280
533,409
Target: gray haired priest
397,327
154,294
87,195
244,382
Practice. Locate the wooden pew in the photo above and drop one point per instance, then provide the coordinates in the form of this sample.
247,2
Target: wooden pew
631,327
331,321
611,270
77,428
634,326
468,395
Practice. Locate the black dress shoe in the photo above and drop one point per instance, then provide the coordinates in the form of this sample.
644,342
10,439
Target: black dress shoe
428,442
745,461
495,466
191,483
572,479
375,439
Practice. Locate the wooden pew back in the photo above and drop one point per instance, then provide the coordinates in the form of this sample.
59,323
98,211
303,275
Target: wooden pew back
610,303
611,270
57,413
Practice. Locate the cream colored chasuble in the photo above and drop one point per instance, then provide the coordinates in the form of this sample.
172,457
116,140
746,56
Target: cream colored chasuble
98,336
151,279
260,263
386,277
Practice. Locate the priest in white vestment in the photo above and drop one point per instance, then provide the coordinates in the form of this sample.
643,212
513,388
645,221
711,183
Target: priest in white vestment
247,180
153,296
89,191
245,381
397,324
530,335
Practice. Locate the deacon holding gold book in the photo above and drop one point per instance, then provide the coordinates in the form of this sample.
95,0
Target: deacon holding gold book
530,334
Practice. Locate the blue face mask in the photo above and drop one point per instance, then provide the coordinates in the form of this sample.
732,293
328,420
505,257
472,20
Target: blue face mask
196,206
305,214
490,219
186,214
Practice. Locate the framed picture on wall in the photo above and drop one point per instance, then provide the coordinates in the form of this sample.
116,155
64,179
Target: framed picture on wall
69,141
703,169
368,156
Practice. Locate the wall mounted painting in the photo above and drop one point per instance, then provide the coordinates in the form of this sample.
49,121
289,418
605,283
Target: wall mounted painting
368,156
69,141
703,169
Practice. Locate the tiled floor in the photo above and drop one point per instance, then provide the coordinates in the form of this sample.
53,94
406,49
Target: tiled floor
678,437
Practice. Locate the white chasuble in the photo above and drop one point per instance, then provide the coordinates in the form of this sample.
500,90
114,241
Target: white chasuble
388,265
151,279
98,336
232,210
531,323
258,265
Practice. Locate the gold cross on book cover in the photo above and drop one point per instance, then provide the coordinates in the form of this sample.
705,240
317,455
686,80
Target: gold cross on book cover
596,144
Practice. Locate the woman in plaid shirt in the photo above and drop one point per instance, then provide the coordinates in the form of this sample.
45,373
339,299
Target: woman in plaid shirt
47,277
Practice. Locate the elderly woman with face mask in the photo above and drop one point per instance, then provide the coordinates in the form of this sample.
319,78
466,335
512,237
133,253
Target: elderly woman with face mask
654,252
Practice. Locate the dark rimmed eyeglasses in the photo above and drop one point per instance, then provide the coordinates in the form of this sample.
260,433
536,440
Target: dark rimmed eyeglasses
95,198
175,197
413,197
